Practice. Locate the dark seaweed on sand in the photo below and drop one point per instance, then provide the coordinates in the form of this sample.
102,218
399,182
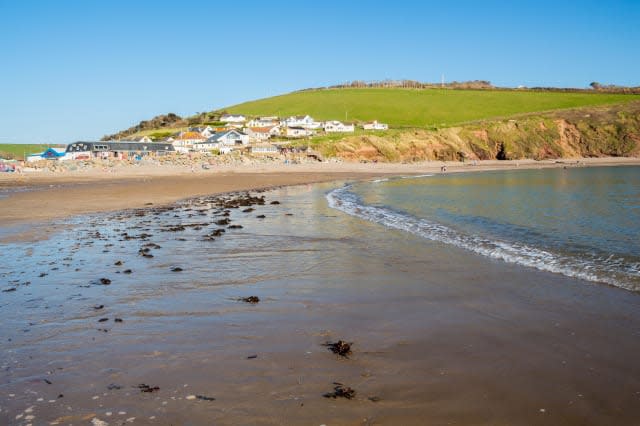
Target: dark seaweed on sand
340,347
341,391
146,388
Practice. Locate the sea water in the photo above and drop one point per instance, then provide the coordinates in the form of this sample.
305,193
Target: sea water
579,222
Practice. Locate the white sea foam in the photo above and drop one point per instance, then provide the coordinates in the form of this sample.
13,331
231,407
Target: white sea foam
610,271
415,176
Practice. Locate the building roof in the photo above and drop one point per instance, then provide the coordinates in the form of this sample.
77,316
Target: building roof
225,117
219,135
261,129
298,117
50,152
129,146
188,136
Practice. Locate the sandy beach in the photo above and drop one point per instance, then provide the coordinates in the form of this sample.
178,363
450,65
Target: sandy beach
439,335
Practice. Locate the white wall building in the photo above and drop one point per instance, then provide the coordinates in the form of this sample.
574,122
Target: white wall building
338,127
374,125
297,132
231,118
59,154
258,134
185,141
221,140
304,121
144,139
263,122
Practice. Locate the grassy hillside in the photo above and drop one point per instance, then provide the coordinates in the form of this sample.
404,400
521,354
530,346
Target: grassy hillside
612,130
17,150
420,108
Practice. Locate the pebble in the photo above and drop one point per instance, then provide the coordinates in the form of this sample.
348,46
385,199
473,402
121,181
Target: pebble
95,397
108,413
190,397
131,419
122,413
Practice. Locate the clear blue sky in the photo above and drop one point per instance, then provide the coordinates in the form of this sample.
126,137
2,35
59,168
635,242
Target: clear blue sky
80,69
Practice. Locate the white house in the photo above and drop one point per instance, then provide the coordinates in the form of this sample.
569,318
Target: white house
275,130
374,125
185,141
206,132
145,139
338,127
297,132
258,134
231,118
221,140
304,121
59,154
263,122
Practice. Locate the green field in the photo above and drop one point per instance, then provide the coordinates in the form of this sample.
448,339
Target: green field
18,150
420,108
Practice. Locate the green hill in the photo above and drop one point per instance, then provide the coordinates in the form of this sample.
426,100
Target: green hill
421,107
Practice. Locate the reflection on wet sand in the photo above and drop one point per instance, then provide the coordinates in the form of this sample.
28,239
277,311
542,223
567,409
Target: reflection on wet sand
203,323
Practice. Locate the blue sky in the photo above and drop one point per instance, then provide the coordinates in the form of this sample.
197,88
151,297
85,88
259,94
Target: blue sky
80,69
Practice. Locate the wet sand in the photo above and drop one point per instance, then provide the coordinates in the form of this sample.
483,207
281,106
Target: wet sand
440,336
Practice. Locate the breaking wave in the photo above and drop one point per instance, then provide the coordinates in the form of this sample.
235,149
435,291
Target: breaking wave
609,270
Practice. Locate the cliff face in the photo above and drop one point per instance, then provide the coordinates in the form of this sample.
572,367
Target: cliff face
589,132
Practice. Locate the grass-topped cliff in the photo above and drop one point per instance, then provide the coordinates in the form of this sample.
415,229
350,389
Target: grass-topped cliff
612,130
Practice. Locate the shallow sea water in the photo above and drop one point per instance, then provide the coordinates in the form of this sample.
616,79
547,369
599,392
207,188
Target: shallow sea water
580,222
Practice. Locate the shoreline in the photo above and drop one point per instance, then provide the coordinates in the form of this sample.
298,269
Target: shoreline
36,198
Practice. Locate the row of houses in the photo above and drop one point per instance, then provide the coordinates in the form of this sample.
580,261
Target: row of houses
258,130
238,133
303,121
